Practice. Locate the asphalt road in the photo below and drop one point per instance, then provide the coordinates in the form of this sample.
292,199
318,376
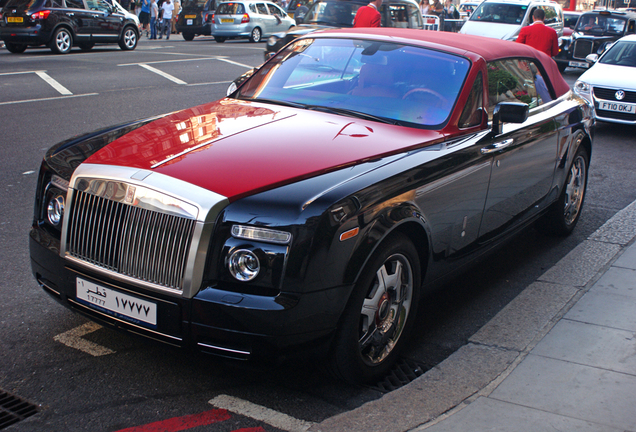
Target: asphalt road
83,377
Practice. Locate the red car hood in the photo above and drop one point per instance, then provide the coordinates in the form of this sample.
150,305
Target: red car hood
237,148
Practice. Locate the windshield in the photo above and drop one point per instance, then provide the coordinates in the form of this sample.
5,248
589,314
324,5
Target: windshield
332,13
388,82
601,25
501,13
621,53
230,9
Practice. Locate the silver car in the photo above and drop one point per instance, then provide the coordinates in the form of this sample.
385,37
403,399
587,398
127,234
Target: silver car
251,20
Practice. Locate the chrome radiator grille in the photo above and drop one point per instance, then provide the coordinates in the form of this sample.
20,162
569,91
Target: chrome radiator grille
582,48
132,241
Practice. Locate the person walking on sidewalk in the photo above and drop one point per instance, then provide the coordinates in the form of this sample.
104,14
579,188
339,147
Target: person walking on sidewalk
368,16
166,9
154,14
540,36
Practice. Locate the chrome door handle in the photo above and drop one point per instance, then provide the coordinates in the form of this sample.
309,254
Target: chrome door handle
497,146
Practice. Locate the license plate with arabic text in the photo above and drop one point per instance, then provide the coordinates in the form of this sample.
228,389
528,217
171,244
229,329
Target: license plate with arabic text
617,107
116,303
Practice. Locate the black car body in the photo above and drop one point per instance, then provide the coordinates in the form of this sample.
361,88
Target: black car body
595,31
195,18
62,24
326,14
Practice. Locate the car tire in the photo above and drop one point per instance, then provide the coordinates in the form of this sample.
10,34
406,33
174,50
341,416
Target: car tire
256,35
15,48
62,41
219,39
562,67
369,338
188,36
564,214
129,38
86,46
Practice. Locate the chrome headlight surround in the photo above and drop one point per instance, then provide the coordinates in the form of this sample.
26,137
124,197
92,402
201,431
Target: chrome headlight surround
54,202
584,90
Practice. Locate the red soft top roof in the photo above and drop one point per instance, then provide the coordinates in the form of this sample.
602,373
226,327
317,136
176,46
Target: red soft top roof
489,49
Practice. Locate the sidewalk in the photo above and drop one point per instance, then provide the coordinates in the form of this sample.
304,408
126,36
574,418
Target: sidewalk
561,356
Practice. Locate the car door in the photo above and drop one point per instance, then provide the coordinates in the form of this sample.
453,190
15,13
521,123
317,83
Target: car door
524,155
278,24
107,22
264,19
82,19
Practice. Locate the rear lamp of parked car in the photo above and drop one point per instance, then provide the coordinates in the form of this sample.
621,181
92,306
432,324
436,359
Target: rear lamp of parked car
208,17
41,15
212,19
243,265
261,234
246,19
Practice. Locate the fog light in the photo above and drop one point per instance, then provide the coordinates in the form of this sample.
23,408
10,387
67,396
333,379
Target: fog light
55,210
244,265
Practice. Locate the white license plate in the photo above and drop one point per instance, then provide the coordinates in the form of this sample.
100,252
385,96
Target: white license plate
617,107
189,22
579,64
116,303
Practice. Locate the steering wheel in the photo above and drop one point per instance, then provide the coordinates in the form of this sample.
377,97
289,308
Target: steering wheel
424,91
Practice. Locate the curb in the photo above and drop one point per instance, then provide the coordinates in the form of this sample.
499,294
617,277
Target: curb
492,353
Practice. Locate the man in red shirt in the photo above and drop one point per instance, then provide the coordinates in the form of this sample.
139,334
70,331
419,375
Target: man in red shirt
540,36
368,16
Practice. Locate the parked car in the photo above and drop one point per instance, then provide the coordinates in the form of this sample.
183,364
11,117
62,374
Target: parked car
326,14
195,18
595,31
466,9
610,84
251,20
569,22
504,19
62,24
310,211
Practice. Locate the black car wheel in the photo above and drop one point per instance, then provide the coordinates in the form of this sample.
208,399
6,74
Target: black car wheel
380,313
129,39
62,41
219,39
86,46
188,36
564,214
562,67
15,48
256,35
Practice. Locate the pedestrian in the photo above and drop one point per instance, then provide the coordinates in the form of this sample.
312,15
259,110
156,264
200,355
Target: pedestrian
450,13
154,13
175,15
144,16
166,15
368,16
540,36
424,6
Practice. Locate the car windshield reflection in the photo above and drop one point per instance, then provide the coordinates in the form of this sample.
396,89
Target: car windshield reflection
622,54
380,81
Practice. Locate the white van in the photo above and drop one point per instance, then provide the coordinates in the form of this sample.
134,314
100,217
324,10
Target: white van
503,19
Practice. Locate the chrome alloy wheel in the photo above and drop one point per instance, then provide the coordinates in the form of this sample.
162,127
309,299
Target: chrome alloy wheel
130,38
575,189
63,41
385,309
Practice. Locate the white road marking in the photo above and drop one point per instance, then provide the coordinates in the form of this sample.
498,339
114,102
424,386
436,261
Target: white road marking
260,413
47,99
162,73
56,85
73,339
188,60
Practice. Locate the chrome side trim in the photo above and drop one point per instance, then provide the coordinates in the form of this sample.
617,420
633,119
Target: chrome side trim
228,350
158,193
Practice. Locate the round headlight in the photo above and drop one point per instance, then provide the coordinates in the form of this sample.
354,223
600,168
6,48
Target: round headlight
244,265
55,210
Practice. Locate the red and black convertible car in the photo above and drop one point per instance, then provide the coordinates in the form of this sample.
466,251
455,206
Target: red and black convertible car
313,207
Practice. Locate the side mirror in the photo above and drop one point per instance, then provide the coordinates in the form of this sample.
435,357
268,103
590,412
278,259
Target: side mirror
591,58
508,112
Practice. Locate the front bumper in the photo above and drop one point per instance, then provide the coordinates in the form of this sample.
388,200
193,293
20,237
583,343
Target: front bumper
215,320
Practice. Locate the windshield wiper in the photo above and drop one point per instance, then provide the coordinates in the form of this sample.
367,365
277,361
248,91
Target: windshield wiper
279,102
352,113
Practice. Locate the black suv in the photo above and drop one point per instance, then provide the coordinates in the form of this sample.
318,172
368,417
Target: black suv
324,14
62,24
195,18
595,31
